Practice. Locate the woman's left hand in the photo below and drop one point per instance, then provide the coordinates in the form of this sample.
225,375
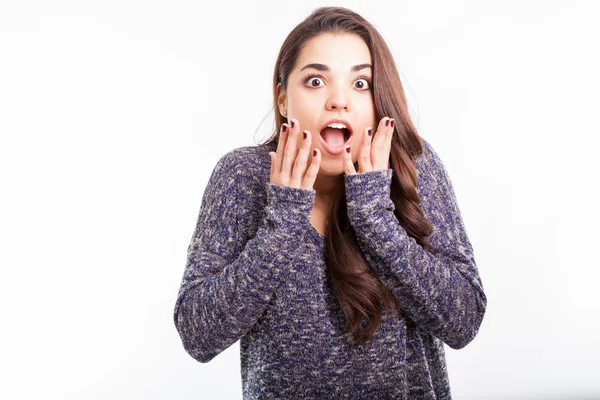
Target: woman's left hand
374,153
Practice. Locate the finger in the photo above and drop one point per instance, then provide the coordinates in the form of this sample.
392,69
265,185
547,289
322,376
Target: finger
290,151
348,165
379,137
391,135
379,141
388,143
301,158
364,154
313,169
283,135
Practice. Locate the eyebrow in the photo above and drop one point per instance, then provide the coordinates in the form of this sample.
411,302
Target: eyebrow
323,67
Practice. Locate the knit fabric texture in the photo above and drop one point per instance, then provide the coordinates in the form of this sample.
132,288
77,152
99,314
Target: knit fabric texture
256,272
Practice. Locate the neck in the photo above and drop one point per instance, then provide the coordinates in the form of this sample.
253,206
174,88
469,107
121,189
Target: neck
325,186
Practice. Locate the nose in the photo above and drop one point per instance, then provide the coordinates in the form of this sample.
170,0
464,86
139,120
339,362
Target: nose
338,100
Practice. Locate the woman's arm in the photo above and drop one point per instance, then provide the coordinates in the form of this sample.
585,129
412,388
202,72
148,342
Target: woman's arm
443,294
227,285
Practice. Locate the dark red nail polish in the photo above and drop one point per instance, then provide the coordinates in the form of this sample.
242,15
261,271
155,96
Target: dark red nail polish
304,134
348,149
387,122
293,124
314,153
392,122
370,131
284,128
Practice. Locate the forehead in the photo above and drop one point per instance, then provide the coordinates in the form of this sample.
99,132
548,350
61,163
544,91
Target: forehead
338,51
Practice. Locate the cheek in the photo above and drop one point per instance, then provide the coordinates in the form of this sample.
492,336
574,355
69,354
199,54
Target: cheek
356,146
371,117
302,102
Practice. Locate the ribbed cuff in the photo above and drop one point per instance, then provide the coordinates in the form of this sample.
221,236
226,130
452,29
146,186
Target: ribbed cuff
368,192
288,207
290,194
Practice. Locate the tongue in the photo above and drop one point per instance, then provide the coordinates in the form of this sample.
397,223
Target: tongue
333,136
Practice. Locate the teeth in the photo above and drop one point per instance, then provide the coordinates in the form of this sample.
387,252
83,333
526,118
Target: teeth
337,126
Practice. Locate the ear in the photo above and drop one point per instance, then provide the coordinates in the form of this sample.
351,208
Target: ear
281,100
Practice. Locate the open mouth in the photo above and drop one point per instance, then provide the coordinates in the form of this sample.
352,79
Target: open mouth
332,136
334,140
347,134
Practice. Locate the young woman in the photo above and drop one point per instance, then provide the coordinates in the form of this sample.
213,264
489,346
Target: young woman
335,251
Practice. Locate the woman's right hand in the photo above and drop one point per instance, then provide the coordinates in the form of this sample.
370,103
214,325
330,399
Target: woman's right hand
289,163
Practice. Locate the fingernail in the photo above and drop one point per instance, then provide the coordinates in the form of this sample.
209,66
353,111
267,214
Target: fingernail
387,122
392,122
370,130
304,134
283,128
348,149
314,152
293,124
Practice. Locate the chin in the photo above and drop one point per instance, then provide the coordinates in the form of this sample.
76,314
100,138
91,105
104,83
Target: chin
330,166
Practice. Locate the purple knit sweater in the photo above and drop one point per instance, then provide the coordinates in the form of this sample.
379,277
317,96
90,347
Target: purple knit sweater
256,272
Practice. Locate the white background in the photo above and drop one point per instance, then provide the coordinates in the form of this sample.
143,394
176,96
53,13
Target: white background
114,113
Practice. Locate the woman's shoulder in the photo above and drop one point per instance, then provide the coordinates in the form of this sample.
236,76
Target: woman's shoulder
428,167
429,158
246,161
424,158
426,154
251,166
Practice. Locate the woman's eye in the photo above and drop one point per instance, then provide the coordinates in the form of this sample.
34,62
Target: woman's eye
314,79
362,86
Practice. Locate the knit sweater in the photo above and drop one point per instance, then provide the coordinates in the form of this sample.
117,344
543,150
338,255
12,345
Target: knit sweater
256,272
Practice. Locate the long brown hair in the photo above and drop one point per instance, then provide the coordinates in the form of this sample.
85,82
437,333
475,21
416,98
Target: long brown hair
362,295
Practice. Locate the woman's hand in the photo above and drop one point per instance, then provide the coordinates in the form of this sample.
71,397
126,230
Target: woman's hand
289,163
374,154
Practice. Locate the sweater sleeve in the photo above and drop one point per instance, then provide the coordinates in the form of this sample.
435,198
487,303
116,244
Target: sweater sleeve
442,293
226,284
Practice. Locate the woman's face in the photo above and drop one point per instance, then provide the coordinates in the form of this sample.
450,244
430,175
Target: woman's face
339,91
